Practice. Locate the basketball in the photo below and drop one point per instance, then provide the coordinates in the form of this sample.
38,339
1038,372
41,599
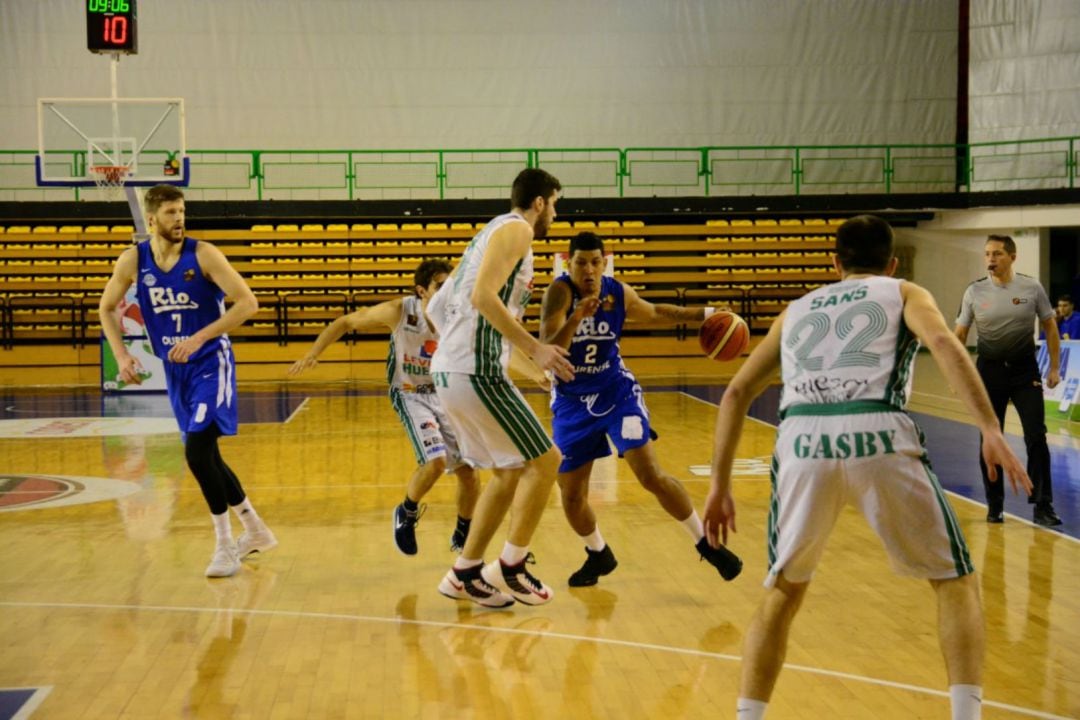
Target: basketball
724,336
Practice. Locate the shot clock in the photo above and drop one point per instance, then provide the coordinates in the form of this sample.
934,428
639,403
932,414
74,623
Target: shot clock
111,26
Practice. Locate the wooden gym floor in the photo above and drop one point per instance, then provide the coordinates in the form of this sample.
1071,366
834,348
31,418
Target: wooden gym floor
105,613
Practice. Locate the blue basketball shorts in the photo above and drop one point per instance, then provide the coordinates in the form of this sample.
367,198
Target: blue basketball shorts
204,392
582,424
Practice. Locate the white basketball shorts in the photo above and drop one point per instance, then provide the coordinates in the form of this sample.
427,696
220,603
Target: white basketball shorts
496,428
875,461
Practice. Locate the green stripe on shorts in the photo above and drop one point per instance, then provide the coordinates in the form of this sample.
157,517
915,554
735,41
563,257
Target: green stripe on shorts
957,545
771,534
514,416
399,407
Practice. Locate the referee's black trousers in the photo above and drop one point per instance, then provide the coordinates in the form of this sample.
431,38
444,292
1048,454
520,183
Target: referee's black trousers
1018,380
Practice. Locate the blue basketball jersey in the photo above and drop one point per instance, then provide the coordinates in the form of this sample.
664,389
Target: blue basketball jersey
594,349
178,303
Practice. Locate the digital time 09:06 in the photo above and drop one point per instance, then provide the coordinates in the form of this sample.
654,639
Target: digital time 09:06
108,6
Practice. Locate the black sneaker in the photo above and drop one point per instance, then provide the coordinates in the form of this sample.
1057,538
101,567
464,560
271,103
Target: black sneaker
995,517
597,563
1045,516
459,536
517,582
726,562
405,528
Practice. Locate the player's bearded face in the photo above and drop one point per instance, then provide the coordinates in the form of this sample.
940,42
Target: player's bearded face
169,221
545,217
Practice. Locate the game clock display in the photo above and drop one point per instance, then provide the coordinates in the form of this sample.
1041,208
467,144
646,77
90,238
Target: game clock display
111,26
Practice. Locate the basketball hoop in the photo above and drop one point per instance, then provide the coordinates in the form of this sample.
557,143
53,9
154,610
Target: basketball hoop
110,179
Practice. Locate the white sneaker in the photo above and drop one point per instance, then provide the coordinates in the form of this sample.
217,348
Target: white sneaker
224,563
517,582
260,541
468,584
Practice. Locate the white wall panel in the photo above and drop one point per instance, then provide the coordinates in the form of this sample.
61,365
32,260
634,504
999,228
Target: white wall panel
507,73
1024,69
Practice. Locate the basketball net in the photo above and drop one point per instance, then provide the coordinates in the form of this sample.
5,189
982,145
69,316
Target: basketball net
110,180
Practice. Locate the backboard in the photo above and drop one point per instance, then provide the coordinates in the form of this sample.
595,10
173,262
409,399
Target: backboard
77,137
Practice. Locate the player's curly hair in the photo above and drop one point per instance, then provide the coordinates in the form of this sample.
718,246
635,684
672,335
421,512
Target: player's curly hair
429,269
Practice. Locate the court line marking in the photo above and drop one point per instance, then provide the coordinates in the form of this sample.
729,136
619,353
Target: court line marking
299,407
40,693
1029,712
1017,518
716,405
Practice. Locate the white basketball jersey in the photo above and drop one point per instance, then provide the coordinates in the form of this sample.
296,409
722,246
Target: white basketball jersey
467,341
412,343
848,341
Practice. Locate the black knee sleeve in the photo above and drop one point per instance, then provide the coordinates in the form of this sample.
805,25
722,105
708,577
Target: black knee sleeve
202,456
234,492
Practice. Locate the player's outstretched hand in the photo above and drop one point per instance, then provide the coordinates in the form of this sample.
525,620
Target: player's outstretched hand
305,363
553,357
719,517
997,452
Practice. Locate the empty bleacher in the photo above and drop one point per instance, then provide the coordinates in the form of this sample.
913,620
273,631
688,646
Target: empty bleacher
305,275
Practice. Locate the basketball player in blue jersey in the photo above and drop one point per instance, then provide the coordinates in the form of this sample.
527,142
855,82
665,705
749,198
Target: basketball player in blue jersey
412,393
845,352
181,285
584,311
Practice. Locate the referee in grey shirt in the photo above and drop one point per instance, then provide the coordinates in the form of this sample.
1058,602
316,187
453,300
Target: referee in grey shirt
1004,306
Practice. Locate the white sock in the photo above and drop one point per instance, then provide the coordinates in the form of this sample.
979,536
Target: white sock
748,709
695,528
247,516
222,529
463,563
594,540
966,702
513,554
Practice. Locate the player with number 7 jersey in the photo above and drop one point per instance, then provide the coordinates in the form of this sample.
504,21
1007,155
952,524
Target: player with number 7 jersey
178,302
181,284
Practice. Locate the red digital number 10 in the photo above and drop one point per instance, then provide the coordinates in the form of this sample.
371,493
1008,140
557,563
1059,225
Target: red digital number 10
116,30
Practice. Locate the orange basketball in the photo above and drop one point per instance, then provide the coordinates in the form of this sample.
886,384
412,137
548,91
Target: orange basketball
724,336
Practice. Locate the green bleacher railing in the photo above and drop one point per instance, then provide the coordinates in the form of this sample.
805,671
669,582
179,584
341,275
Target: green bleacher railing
252,174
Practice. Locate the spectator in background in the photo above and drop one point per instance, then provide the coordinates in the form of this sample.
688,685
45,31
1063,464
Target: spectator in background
1068,320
